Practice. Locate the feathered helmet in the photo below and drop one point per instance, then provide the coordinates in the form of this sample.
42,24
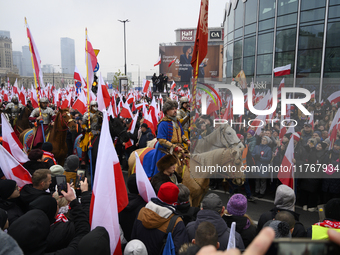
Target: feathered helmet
44,100
169,105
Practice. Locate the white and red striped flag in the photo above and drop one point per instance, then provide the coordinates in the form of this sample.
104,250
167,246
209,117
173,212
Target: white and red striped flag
282,84
282,70
159,60
286,174
103,97
334,98
109,195
91,60
146,84
22,97
12,169
173,61
131,129
125,111
11,142
173,85
81,103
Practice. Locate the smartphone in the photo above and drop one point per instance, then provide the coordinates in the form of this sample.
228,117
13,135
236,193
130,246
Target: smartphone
80,177
71,180
61,183
302,246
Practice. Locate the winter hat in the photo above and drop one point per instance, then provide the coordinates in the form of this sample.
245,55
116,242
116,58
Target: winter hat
324,145
287,135
169,105
71,163
47,146
56,170
168,193
318,132
332,209
327,141
296,136
7,187
268,139
285,198
337,142
3,218
96,242
31,231
237,205
47,204
144,125
35,154
281,228
212,202
165,162
132,184
240,136
135,247
252,132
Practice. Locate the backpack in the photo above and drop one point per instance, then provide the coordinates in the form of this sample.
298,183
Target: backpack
166,249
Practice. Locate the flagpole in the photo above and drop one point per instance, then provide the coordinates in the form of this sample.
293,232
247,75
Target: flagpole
35,82
88,108
194,91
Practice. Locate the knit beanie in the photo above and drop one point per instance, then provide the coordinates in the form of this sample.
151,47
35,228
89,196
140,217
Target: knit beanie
7,187
47,146
56,170
332,209
71,163
240,136
268,139
132,184
252,132
296,136
237,205
35,154
281,228
287,135
212,202
324,145
168,193
135,247
285,198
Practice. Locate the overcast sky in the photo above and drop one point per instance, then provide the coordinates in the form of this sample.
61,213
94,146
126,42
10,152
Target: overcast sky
152,22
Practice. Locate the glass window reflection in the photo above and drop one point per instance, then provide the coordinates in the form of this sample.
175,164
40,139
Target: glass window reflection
333,2
287,20
229,65
312,15
250,29
264,64
285,40
311,37
334,12
333,34
285,58
265,43
237,67
238,33
249,66
239,15
287,6
266,24
267,9
251,12
309,61
332,60
231,21
238,49
311,4
249,46
230,50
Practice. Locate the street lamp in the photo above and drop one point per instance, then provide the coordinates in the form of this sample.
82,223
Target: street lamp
124,21
138,73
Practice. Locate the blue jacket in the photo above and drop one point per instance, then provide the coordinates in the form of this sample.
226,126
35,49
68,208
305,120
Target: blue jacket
263,155
145,137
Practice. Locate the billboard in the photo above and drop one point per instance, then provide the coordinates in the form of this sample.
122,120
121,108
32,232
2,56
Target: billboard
182,72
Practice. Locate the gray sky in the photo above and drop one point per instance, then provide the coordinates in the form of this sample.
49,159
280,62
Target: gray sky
152,22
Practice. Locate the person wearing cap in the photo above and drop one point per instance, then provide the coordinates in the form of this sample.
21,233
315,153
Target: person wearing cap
281,228
48,156
262,154
135,247
145,136
284,201
10,200
306,133
212,211
153,220
167,172
236,212
331,186
184,208
36,161
71,166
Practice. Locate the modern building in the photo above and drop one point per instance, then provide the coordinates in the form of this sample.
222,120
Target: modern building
27,68
17,61
68,61
260,35
48,68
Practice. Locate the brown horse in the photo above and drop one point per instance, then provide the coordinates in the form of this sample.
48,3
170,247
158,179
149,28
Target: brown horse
57,134
22,122
198,183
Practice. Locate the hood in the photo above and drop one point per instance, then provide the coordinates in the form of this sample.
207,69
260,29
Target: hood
242,222
154,216
135,201
147,131
214,218
97,242
295,214
285,198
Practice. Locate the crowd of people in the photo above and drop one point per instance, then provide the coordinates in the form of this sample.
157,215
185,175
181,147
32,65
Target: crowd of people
39,220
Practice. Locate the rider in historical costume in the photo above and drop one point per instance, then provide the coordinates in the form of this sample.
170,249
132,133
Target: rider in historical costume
47,115
13,109
184,115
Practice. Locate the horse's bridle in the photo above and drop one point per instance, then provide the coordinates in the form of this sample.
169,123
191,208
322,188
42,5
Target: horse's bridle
63,121
230,144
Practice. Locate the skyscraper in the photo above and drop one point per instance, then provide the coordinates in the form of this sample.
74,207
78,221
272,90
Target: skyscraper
27,69
67,55
17,61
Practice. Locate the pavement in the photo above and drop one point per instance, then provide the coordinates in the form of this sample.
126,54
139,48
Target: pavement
261,205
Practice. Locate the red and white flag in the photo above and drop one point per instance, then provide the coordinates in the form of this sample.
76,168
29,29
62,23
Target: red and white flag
159,60
80,103
173,85
15,88
311,120
312,95
125,111
91,59
11,142
22,97
146,85
103,97
131,129
173,61
286,174
109,196
282,70
66,102
144,186
282,84
148,121
334,98
34,99
12,169
335,121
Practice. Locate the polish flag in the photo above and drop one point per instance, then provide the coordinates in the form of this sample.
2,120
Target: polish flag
148,121
335,121
282,70
312,95
22,97
11,142
335,97
114,107
126,112
291,128
110,112
287,176
109,195
91,59
66,103
146,85
258,122
34,98
145,189
311,120
103,97
173,61
80,103
282,84
173,85
15,88
153,112
283,129
159,60
131,129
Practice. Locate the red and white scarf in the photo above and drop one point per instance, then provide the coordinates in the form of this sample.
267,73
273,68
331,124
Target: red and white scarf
329,224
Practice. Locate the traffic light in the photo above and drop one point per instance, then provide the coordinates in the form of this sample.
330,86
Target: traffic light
94,84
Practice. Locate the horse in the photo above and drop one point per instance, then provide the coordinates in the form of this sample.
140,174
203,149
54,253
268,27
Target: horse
198,183
222,137
22,122
57,134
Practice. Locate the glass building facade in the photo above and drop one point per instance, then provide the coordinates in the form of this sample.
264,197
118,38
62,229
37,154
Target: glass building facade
260,35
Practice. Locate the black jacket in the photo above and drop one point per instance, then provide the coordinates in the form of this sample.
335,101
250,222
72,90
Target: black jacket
160,178
13,207
128,216
31,166
187,212
299,229
145,137
28,194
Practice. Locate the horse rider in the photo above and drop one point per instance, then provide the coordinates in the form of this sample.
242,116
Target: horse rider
13,109
184,115
47,116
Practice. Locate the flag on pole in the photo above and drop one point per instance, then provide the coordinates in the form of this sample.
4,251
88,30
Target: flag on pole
334,98
109,195
12,169
282,70
286,174
103,97
92,60
232,241
173,61
159,60
146,85
80,103
145,189
173,85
